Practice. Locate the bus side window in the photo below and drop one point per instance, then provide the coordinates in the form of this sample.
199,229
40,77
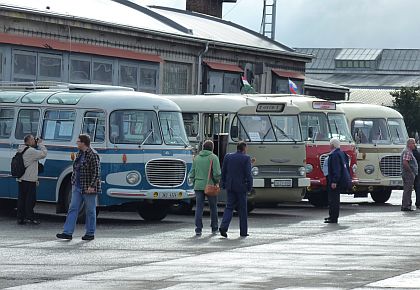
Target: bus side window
191,124
94,125
27,123
6,121
58,125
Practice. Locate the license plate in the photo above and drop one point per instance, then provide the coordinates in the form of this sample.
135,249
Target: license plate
168,195
282,183
396,183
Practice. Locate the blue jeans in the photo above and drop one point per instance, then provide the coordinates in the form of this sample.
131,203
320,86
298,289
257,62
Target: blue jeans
90,207
236,199
199,200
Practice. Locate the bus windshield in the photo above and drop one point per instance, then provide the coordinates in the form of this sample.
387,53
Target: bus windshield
371,131
398,131
264,128
173,128
314,126
339,128
134,127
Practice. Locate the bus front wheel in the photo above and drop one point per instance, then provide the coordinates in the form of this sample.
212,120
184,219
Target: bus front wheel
381,195
155,211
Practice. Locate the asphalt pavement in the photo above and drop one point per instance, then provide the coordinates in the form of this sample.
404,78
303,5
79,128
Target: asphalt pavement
289,247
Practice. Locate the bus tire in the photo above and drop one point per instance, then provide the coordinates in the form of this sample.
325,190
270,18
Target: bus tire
182,208
8,204
382,195
319,199
155,211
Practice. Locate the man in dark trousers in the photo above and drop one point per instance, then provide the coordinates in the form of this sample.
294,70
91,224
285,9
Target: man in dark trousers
237,180
336,179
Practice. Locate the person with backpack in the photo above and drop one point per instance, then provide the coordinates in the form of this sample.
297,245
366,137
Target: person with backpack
25,169
338,179
205,170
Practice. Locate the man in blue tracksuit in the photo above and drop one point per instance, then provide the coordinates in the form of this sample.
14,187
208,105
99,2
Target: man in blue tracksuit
237,180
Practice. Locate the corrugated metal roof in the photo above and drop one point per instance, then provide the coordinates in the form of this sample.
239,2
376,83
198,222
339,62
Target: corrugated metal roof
358,54
372,96
309,82
174,22
324,57
369,80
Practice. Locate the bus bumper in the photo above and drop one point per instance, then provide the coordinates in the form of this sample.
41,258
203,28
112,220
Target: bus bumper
157,194
281,182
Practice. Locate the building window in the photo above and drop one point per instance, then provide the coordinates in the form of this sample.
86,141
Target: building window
223,82
49,67
176,78
24,66
281,85
102,72
128,76
80,70
148,79
27,123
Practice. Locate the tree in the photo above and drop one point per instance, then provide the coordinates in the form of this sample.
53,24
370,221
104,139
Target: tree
407,102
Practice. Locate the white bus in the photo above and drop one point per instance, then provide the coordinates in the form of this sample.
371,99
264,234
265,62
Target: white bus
271,129
380,135
140,138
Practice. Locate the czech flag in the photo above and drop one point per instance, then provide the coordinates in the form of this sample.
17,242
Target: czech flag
292,87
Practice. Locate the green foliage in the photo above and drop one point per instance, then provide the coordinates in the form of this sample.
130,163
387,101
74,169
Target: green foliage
407,102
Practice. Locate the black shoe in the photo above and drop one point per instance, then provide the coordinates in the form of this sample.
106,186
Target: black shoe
198,234
88,237
244,236
64,236
223,233
331,221
327,218
21,222
32,222
406,209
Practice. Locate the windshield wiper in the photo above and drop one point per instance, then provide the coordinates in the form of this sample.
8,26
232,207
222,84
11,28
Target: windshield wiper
151,132
171,132
266,134
284,133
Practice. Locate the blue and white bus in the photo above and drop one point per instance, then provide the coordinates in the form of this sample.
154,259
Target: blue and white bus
140,137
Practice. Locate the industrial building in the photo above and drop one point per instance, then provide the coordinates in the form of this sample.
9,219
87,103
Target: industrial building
152,49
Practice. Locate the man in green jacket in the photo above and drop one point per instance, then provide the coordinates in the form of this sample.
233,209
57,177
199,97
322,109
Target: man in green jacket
199,175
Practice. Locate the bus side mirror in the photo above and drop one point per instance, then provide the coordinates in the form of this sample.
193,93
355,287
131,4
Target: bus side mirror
234,132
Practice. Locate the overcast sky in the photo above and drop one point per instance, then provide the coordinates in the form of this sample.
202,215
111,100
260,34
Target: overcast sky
330,23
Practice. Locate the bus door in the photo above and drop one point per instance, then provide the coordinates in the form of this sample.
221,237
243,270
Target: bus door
216,128
192,128
7,118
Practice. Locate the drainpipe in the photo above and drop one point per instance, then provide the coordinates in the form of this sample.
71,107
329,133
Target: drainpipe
200,70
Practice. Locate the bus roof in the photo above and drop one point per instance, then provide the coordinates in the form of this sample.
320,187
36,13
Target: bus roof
88,98
360,110
228,103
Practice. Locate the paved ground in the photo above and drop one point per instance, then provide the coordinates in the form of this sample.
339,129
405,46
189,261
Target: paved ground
373,247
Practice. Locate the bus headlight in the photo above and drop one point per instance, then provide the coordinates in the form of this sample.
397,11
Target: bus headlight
354,168
133,178
302,171
369,169
309,168
190,182
255,171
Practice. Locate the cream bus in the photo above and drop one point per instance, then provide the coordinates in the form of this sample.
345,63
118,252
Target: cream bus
271,129
380,135
139,137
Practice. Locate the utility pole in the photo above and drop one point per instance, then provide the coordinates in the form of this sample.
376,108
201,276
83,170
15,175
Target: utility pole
268,23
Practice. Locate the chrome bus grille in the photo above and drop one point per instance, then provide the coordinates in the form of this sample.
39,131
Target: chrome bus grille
166,172
391,166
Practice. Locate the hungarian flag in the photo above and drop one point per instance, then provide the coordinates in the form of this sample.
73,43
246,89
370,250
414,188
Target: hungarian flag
292,87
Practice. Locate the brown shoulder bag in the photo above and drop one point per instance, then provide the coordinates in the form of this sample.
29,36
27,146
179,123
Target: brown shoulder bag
211,190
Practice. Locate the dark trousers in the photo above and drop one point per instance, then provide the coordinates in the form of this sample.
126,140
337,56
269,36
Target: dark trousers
417,189
334,202
236,199
26,200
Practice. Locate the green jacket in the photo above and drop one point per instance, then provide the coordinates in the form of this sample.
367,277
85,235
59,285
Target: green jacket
200,170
